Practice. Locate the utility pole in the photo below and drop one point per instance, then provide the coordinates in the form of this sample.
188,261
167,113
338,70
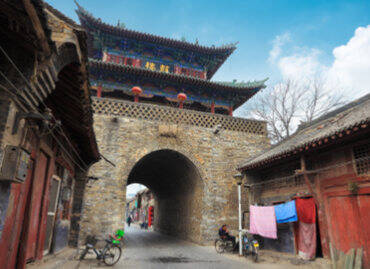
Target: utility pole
239,180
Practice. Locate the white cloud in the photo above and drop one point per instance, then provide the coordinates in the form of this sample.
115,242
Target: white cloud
350,69
278,43
305,63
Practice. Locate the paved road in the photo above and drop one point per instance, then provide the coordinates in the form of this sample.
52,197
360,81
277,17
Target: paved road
151,250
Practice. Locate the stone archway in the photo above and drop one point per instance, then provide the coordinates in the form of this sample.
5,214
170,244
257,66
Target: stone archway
178,189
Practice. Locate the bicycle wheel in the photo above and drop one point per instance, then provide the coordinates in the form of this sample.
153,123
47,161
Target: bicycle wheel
83,254
254,253
112,255
219,246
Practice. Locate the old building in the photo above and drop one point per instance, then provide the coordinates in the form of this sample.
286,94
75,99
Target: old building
47,141
141,207
164,124
328,161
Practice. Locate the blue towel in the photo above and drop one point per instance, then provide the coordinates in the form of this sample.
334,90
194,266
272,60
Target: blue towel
286,212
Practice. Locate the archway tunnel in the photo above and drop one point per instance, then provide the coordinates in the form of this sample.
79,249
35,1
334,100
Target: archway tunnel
178,192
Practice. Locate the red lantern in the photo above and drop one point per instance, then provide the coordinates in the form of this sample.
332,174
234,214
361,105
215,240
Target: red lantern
136,91
181,97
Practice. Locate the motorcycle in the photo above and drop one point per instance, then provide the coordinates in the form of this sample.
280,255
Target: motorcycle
250,246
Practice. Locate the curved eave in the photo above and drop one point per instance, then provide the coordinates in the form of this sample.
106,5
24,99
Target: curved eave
343,133
181,79
225,51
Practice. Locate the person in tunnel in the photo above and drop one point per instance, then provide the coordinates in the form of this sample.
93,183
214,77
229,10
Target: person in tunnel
223,232
129,220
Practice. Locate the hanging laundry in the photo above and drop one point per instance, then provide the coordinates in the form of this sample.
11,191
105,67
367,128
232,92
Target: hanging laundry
306,210
263,221
306,242
286,212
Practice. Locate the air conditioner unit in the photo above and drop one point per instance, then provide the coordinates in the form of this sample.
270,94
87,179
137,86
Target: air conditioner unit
14,165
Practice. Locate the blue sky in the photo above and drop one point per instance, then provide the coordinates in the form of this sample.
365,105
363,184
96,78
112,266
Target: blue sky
322,25
278,39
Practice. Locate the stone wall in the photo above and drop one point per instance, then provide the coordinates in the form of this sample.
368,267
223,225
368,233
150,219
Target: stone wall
126,138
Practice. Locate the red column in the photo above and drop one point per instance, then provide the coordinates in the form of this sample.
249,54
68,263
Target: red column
231,111
136,98
181,105
125,61
213,107
98,93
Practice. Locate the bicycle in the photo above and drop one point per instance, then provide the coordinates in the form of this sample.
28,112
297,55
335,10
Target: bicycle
223,244
110,254
250,245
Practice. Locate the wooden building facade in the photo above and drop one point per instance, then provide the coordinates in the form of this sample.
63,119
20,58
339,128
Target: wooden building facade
47,141
327,161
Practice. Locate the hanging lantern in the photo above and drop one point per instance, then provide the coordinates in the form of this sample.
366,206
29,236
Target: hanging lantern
137,91
181,97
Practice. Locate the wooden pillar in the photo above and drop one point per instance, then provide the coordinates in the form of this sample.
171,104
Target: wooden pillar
231,110
98,93
213,107
307,181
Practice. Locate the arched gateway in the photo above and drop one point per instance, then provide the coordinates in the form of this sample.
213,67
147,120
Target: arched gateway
178,190
163,122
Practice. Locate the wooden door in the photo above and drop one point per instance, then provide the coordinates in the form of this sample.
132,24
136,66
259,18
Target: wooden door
349,217
34,212
50,219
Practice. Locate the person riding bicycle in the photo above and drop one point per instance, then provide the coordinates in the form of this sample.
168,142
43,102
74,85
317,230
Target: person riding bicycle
223,232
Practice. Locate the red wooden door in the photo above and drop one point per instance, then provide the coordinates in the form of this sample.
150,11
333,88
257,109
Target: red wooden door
364,208
349,221
37,194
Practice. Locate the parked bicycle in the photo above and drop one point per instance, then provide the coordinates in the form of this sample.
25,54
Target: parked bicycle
110,254
250,245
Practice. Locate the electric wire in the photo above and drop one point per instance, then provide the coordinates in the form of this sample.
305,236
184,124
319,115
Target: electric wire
42,101
59,143
40,113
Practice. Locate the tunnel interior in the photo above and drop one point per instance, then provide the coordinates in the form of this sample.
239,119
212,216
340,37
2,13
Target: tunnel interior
178,191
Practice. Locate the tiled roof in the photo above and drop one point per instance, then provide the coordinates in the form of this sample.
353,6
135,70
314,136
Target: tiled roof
247,89
242,84
222,52
60,15
333,125
153,38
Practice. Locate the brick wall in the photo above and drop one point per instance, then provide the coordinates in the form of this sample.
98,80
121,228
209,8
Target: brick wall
195,215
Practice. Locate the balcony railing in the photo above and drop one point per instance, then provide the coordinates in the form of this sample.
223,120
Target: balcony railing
166,114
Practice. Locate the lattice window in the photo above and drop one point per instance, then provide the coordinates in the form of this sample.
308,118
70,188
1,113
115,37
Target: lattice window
362,158
177,116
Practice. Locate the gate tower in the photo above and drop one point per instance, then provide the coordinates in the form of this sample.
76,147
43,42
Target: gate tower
165,124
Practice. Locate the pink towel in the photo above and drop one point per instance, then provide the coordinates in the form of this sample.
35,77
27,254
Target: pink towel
263,221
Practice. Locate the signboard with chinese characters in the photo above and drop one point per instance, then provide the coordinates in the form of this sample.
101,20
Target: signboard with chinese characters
157,67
